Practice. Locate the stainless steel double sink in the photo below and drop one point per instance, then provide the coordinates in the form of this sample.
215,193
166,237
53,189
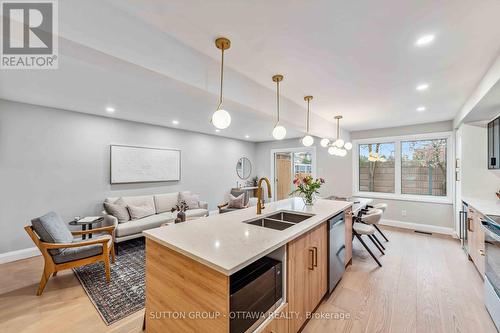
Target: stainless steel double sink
279,220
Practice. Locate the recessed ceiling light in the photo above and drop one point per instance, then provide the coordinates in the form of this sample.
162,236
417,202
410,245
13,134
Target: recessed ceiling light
110,109
217,130
422,87
421,108
247,136
425,40
175,122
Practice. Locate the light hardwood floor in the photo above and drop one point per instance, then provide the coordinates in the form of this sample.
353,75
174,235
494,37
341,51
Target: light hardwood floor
426,285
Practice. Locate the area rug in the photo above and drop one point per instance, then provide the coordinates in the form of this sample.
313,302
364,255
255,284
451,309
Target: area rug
124,294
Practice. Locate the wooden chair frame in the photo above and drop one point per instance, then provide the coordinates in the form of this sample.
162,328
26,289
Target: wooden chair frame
51,268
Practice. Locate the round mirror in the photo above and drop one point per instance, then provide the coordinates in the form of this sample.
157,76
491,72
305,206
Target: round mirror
243,168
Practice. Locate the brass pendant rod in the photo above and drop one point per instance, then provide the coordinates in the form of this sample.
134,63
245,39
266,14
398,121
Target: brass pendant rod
307,126
221,79
338,128
278,99
338,125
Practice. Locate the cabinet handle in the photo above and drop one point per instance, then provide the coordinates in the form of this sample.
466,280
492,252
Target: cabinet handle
469,225
315,262
311,256
481,252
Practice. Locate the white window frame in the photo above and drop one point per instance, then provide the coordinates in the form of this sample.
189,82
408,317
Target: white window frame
397,195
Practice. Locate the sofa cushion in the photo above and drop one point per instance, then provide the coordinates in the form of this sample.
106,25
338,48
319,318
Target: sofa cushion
165,202
138,212
191,199
75,253
52,229
137,226
199,212
118,209
140,200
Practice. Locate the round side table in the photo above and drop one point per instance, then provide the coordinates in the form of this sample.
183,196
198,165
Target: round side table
85,226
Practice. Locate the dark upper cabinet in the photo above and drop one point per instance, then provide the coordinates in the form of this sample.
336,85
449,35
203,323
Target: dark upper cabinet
494,144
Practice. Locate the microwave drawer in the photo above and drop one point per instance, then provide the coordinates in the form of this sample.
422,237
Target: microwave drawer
252,301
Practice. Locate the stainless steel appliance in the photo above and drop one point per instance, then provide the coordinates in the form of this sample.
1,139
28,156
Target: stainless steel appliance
491,225
463,227
336,254
255,290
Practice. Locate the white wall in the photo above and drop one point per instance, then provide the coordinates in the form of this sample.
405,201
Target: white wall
337,171
58,160
434,214
477,180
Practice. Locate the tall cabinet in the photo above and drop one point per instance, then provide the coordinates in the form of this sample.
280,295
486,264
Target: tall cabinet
475,239
307,273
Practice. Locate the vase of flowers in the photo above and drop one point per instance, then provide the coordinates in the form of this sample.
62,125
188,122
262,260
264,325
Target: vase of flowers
181,207
307,188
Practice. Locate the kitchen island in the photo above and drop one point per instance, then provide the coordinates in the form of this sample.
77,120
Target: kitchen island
189,265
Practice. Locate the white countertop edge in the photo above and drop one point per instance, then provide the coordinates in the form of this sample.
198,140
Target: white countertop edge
484,206
230,271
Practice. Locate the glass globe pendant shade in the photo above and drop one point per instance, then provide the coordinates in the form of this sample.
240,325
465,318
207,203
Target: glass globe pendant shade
279,132
342,152
348,145
324,142
221,119
339,143
332,150
307,140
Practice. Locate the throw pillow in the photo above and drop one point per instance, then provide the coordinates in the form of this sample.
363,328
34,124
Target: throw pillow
118,209
138,212
191,199
237,202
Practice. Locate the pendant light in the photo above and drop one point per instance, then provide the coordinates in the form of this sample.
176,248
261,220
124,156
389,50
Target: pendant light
279,132
221,118
307,140
339,147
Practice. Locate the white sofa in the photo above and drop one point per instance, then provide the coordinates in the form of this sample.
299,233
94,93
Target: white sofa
162,202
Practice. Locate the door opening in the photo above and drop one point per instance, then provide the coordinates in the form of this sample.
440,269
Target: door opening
289,164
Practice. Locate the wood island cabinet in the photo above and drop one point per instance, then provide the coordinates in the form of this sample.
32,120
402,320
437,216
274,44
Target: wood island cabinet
475,239
307,273
176,283
279,324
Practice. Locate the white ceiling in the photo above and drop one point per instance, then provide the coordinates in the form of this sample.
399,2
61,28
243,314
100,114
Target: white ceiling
155,61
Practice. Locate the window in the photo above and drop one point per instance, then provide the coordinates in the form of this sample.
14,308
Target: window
423,167
376,167
415,167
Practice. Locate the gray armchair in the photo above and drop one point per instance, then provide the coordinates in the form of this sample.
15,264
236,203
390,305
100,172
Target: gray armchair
61,250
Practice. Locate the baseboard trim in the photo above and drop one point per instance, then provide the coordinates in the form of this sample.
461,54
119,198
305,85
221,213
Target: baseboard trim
19,254
419,227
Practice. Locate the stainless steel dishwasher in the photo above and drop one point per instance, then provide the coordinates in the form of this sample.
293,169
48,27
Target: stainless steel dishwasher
336,253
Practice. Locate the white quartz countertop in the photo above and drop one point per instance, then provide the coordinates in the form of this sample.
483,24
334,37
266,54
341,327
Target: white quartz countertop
484,206
225,244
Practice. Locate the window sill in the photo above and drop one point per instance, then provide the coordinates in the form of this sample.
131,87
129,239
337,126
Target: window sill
405,197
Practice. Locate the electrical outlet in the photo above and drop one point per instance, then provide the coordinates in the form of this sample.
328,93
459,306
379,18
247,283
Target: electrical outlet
403,212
